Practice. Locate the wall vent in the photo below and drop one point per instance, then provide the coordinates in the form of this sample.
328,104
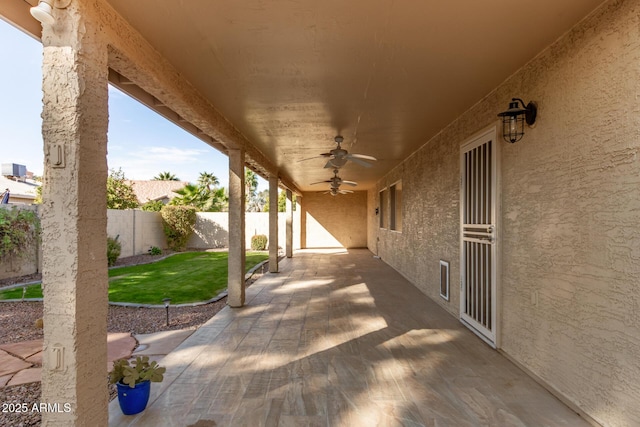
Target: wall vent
444,279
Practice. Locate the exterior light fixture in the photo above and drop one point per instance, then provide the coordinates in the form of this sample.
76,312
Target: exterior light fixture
43,12
514,118
166,302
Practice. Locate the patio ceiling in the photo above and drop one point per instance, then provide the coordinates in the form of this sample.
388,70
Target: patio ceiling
387,75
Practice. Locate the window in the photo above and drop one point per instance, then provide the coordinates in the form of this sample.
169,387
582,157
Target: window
383,208
395,212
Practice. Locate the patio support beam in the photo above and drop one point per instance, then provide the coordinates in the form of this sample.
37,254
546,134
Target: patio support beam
289,226
237,254
74,219
273,224
155,75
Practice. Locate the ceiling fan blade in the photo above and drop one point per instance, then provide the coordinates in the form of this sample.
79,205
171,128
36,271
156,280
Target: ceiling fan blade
319,182
351,183
345,191
360,162
309,158
362,156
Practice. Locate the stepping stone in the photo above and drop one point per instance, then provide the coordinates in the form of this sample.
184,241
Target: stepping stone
10,364
119,346
23,349
5,379
36,359
26,376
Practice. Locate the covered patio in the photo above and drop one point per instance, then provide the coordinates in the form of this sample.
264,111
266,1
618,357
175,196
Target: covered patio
338,338
540,231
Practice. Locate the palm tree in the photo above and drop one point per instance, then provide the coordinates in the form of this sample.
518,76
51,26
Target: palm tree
189,195
250,185
166,176
208,180
201,198
259,202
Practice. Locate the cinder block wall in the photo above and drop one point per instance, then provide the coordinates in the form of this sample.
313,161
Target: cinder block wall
30,262
570,224
212,229
137,230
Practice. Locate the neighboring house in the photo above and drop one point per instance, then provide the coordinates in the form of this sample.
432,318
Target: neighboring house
22,191
147,191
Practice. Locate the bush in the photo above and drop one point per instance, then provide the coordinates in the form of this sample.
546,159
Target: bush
18,230
153,206
114,248
178,223
259,242
154,250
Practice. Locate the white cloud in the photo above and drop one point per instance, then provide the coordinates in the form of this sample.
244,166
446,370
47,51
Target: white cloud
173,154
185,163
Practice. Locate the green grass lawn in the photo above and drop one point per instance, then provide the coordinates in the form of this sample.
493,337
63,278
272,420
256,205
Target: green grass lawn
185,277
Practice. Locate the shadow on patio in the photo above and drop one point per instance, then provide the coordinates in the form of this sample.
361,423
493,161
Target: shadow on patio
339,338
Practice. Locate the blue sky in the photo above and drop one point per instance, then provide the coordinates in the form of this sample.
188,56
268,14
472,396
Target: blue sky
141,142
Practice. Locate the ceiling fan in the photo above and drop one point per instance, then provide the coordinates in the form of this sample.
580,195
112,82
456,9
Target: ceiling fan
338,157
336,181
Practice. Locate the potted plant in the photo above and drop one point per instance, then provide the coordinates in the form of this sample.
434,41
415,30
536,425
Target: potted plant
134,382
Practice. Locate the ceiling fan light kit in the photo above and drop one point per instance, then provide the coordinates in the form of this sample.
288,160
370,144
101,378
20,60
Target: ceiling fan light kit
43,11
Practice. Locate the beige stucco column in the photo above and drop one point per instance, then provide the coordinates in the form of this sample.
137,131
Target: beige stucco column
273,224
74,220
303,223
289,226
235,282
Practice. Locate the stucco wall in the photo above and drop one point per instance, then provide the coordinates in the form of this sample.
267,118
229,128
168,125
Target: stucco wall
570,225
334,221
430,228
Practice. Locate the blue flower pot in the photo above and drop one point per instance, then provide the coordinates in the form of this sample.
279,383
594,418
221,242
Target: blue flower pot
133,400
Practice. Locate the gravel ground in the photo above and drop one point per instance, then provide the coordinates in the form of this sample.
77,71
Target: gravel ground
17,323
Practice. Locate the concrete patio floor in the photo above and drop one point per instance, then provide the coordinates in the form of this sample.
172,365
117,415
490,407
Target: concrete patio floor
339,338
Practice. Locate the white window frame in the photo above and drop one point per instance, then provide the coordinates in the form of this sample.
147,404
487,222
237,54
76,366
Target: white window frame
383,207
395,223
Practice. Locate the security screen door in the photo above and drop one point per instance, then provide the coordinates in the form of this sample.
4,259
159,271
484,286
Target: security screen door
478,231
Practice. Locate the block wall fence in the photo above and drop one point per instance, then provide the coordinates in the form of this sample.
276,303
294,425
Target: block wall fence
138,230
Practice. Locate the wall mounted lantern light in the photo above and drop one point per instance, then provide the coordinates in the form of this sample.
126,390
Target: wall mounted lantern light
43,12
514,118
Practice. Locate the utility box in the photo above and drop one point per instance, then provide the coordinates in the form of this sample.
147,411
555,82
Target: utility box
13,169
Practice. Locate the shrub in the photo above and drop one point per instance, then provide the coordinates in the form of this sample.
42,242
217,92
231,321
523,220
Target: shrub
120,195
259,242
18,229
178,223
153,206
154,250
114,248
